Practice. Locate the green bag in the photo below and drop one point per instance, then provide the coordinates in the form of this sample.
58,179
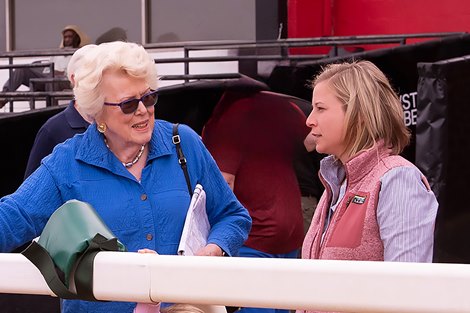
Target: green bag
72,237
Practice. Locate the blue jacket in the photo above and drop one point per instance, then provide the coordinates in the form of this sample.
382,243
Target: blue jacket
147,214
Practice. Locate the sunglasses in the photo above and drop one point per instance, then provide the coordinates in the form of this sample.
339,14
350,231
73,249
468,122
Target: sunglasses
130,106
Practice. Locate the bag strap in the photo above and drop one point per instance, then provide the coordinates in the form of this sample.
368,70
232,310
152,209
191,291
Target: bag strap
42,260
83,271
181,159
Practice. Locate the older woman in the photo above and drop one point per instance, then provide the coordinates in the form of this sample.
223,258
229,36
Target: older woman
125,165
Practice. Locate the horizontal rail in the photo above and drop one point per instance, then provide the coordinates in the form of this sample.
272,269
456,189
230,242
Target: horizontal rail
48,80
56,79
234,43
32,96
201,76
36,53
35,94
298,44
280,283
337,39
238,58
282,44
29,65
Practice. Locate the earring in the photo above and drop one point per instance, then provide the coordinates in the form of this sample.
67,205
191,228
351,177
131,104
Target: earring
102,128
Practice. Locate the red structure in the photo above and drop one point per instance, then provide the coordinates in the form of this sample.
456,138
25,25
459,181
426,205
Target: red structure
316,18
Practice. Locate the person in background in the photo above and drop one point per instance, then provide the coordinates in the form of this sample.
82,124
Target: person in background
178,308
175,308
377,206
126,166
306,166
72,37
190,308
63,125
254,136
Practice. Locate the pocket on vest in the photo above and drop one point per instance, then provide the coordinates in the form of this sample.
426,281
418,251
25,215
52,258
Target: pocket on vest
348,229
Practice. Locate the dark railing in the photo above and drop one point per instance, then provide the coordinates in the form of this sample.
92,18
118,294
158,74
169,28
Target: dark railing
244,51
34,53
49,96
29,95
201,76
11,67
48,80
255,48
291,42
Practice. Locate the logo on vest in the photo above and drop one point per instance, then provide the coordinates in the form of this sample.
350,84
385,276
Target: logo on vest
359,199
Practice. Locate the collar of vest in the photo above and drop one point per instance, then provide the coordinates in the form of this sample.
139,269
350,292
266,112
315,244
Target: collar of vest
363,162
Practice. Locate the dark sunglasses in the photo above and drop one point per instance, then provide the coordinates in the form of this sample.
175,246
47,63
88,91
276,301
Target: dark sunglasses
130,106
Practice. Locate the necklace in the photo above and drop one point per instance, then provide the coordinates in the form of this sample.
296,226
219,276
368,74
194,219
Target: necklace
136,159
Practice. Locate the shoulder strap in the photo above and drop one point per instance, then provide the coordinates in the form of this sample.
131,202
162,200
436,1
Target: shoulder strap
181,159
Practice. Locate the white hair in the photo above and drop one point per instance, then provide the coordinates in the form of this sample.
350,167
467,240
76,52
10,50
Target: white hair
76,60
129,58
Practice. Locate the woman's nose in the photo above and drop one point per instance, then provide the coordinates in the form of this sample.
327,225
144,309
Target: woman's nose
141,107
311,120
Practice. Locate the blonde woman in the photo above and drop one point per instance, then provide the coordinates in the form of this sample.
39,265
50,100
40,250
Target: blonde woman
376,205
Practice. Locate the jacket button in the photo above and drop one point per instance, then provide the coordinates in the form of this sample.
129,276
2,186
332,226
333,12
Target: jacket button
143,197
149,237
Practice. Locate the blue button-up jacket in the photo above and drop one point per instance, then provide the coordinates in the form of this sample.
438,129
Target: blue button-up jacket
146,214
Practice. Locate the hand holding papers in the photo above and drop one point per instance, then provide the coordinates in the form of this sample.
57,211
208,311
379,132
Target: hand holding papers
196,226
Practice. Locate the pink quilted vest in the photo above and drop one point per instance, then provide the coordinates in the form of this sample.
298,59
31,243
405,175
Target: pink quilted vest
353,232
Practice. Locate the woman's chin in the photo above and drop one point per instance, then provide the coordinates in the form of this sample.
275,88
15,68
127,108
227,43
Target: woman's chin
319,149
142,138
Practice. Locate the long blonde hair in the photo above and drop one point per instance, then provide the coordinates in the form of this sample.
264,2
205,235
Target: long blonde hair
373,110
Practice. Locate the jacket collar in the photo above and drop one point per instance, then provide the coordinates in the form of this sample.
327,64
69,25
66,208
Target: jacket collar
362,163
92,149
74,119
356,168
160,143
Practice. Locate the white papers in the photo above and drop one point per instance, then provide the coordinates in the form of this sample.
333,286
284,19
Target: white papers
196,225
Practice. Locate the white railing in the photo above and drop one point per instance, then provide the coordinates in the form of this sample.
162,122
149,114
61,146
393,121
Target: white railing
281,283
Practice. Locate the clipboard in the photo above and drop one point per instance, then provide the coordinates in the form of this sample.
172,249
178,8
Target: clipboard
196,225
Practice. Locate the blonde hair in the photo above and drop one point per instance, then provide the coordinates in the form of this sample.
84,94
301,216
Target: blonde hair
181,308
373,110
126,57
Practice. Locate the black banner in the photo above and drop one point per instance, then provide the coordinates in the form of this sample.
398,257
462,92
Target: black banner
398,63
442,150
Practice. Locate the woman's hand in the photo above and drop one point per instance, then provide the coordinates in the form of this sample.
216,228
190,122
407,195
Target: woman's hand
210,250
